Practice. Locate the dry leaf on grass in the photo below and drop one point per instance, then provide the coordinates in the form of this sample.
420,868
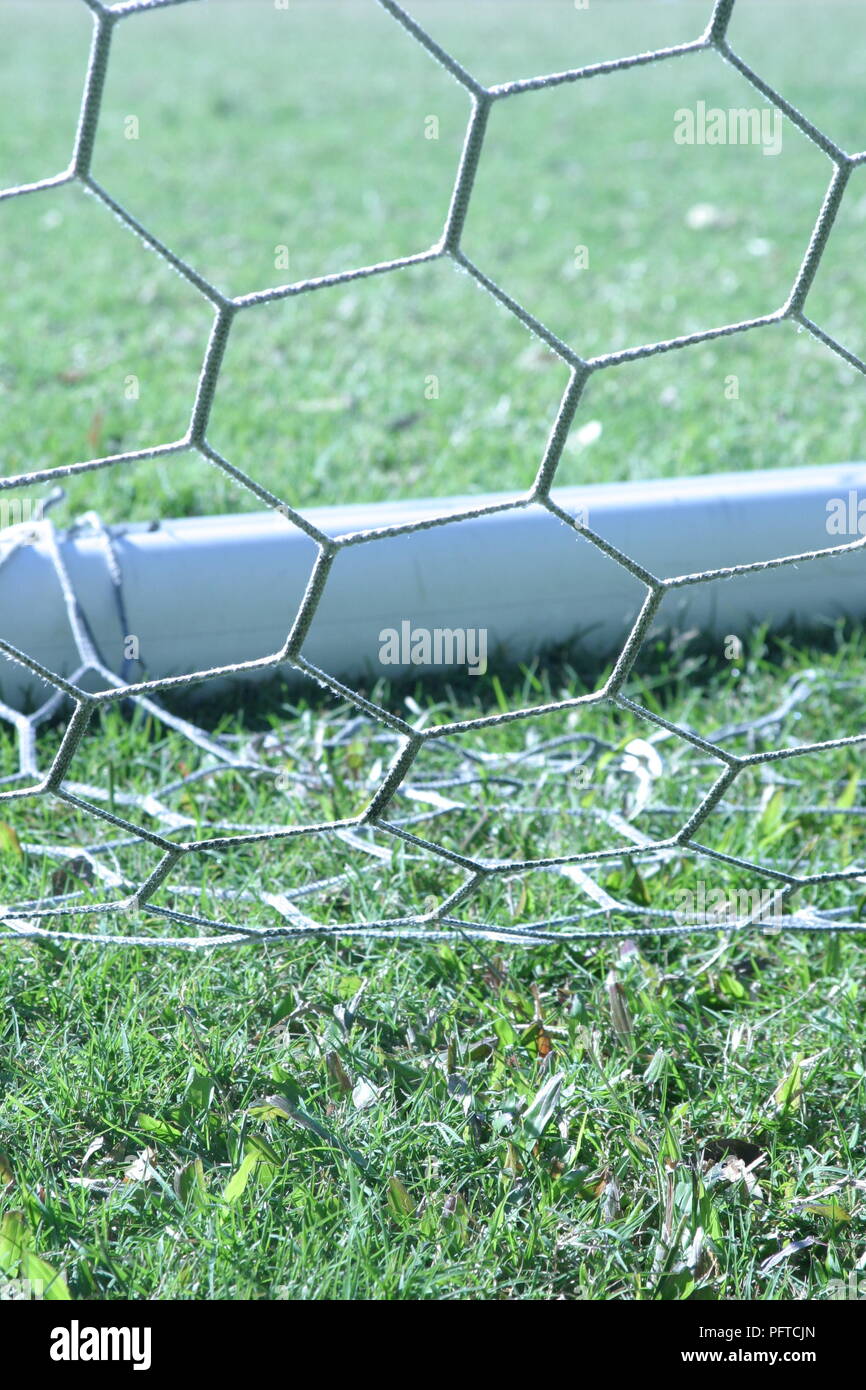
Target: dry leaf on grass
142,1169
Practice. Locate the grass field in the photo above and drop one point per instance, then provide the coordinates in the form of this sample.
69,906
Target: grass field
455,1119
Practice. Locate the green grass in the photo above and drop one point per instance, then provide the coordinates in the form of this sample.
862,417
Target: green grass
430,1181
410,1155
440,1186
326,398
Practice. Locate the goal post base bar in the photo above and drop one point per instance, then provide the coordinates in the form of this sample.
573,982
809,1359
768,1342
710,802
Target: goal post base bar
212,591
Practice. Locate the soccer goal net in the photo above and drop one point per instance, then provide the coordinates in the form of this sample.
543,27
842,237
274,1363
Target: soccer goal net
577,811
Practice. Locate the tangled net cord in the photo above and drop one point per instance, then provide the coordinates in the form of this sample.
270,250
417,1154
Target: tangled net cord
402,739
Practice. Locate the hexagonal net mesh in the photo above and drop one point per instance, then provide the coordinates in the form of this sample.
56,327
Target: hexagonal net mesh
92,885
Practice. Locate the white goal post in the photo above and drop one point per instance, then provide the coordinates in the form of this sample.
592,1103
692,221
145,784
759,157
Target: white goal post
203,593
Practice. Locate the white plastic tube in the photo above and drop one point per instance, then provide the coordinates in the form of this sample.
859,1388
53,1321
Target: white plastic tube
216,590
